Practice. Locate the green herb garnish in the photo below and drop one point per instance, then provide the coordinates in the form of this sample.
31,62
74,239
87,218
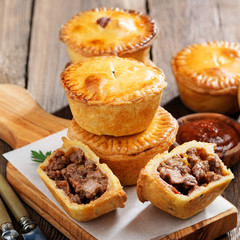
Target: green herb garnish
39,156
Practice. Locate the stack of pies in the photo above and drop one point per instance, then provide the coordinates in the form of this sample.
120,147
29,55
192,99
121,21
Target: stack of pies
108,31
115,106
114,95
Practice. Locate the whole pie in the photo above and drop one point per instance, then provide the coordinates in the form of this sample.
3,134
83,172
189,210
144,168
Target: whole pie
184,181
108,31
113,96
85,188
208,75
126,155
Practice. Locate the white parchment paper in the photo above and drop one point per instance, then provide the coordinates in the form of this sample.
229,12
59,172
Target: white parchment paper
135,221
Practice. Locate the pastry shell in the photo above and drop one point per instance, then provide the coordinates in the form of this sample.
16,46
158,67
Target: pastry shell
113,96
208,76
127,155
150,187
113,198
125,33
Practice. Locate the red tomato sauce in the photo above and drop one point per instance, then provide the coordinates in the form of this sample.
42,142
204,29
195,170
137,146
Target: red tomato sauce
209,130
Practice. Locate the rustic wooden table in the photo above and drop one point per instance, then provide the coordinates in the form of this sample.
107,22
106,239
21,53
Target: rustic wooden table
32,56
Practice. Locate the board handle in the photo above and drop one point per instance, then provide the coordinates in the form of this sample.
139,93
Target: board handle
22,120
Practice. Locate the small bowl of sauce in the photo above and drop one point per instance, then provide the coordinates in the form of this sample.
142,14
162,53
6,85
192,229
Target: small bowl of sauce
213,128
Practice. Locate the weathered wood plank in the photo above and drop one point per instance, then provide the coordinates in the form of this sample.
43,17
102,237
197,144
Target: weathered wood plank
48,55
15,19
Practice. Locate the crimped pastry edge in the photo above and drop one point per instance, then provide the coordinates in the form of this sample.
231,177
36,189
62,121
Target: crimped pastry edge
127,50
155,138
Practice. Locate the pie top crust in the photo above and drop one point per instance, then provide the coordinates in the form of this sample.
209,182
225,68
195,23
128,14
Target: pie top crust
111,79
211,67
108,31
161,132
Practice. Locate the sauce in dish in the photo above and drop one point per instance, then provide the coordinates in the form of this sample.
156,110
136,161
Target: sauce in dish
209,130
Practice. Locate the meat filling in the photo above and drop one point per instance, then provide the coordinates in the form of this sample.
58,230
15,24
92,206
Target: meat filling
78,176
186,172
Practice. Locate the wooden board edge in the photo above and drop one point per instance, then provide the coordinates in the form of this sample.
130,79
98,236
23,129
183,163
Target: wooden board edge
221,224
200,230
32,194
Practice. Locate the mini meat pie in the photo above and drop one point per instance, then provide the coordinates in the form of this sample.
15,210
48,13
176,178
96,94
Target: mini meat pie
208,75
127,155
113,96
85,188
184,181
108,31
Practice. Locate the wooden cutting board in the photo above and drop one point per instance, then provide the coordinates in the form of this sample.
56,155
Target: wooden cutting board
23,121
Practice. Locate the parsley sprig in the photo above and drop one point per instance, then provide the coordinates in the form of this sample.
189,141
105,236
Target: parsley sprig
39,156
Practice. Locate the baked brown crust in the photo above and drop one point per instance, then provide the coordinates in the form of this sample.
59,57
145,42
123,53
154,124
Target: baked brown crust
211,67
127,155
108,31
116,96
113,198
150,187
208,76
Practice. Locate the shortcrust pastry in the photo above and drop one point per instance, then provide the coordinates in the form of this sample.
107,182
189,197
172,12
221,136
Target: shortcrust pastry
125,156
108,31
208,75
184,181
85,188
113,96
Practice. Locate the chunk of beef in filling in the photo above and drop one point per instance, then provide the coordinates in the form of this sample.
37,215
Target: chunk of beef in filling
78,176
185,178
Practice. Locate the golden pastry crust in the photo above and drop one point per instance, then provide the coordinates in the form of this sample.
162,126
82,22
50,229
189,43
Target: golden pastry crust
151,187
111,199
208,76
127,155
113,96
108,31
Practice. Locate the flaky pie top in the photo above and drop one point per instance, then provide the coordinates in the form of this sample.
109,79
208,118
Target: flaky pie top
108,31
212,66
111,79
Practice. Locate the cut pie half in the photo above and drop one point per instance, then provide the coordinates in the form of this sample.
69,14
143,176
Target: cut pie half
85,188
184,181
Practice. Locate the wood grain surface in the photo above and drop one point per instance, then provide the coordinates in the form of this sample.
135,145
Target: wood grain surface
31,55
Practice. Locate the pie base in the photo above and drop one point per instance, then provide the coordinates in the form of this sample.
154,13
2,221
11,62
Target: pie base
115,120
206,102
